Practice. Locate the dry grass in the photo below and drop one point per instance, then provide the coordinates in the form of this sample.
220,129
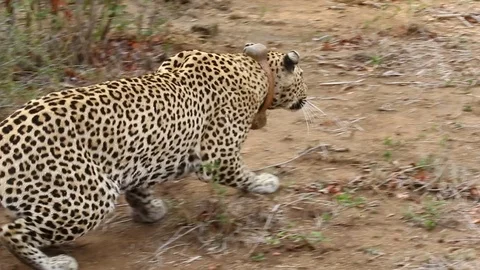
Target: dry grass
42,52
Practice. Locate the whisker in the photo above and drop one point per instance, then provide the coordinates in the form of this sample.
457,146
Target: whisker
315,107
311,116
312,111
306,121
317,110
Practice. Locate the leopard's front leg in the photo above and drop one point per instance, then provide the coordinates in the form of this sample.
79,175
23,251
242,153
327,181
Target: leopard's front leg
222,161
231,171
145,207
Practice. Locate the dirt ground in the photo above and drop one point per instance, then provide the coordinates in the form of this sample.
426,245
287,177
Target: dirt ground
385,179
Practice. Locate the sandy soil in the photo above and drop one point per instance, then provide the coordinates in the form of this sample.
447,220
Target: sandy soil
403,92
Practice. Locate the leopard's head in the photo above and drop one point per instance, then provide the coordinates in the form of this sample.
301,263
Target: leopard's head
290,88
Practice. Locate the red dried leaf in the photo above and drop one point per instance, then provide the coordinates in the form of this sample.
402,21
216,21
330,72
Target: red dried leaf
422,175
470,19
70,72
474,192
328,123
156,39
393,185
135,45
333,189
354,40
327,46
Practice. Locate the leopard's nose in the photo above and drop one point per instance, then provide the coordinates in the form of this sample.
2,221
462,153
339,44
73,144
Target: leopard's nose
299,104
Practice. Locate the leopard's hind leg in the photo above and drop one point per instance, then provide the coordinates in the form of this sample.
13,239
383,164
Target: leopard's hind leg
23,240
44,223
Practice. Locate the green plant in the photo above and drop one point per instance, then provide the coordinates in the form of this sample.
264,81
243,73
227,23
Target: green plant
223,218
212,169
312,237
273,240
449,83
315,237
467,108
426,161
376,60
326,217
390,144
387,155
371,251
258,257
221,215
388,141
348,200
263,11
444,140
428,216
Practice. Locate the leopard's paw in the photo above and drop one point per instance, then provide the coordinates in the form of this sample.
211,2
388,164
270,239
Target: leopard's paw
151,212
264,183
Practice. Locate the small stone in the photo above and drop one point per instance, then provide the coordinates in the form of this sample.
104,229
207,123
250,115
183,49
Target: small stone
206,30
237,16
273,22
191,12
223,5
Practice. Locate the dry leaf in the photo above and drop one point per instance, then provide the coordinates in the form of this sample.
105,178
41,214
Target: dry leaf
327,46
474,192
333,189
135,45
470,19
354,40
422,175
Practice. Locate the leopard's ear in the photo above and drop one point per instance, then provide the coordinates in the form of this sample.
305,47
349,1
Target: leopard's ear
257,51
290,60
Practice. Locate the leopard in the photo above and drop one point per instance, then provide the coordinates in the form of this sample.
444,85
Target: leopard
66,157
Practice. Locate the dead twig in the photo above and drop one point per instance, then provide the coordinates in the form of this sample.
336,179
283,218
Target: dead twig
386,109
265,227
335,65
464,21
271,216
341,83
455,15
294,158
327,98
461,17
463,140
337,7
372,4
163,248
394,175
9,106
401,83
191,260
